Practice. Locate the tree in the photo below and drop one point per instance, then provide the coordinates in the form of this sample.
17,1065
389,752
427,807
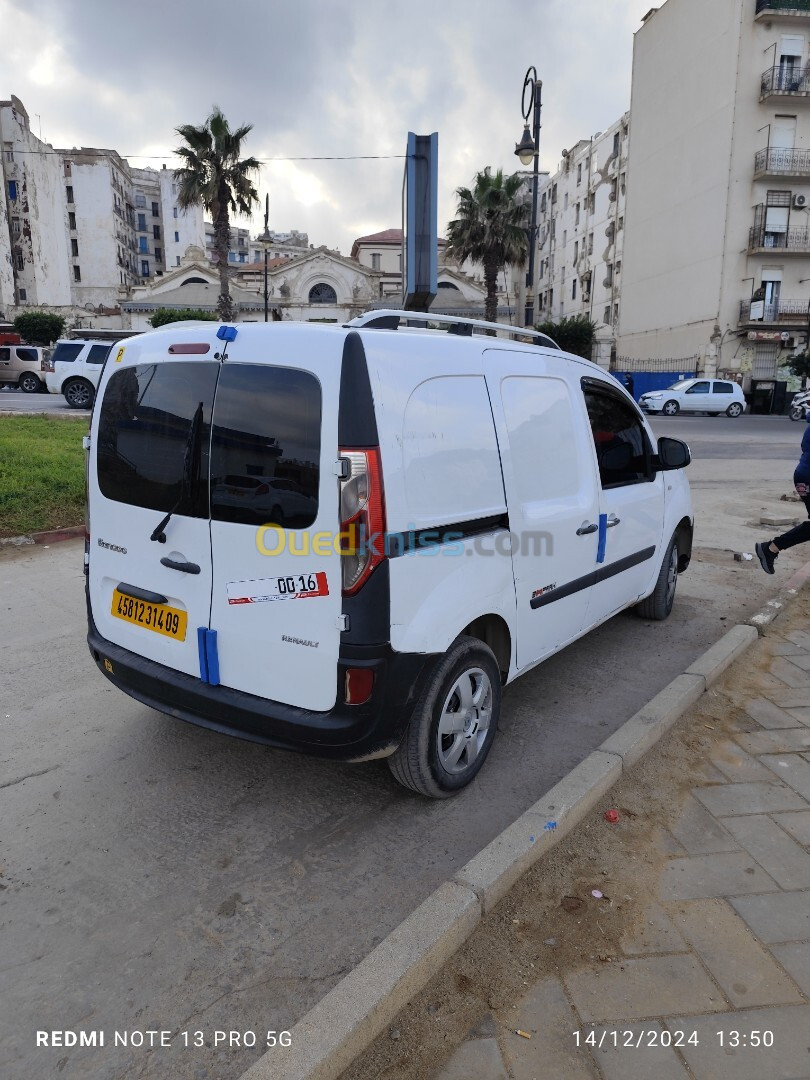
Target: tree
574,334
39,327
170,315
490,228
214,175
800,367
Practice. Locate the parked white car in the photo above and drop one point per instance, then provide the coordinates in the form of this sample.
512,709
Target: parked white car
712,396
74,370
464,507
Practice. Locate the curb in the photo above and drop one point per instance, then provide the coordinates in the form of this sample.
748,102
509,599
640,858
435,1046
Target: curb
356,1010
71,414
49,536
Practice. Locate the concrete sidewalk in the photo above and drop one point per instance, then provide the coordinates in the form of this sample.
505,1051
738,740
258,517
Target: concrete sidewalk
713,981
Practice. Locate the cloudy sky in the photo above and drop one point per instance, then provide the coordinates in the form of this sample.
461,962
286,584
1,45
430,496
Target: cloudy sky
320,79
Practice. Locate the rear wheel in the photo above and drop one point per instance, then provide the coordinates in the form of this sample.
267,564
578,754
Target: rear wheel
658,604
454,722
671,408
29,383
79,394
734,409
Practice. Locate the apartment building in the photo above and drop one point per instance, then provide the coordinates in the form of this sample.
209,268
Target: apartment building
149,227
33,218
244,249
182,229
580,234
717,252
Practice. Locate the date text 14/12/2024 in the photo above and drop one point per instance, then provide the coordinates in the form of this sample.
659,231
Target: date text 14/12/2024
660,1037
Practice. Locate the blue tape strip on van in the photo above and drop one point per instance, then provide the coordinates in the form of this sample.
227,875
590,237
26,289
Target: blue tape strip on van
600,550
212,657
202,631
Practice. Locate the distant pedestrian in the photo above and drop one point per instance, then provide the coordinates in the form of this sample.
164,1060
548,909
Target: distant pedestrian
768,552
629,385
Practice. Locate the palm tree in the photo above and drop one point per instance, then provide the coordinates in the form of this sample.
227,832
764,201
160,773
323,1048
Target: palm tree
490,228
213,174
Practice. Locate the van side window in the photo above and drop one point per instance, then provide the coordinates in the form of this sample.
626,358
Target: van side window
723,388
266,446
622,447
27,354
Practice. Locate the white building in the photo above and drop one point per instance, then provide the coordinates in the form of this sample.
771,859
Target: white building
580,235
244,249
149,227
717,251
33,217
181,228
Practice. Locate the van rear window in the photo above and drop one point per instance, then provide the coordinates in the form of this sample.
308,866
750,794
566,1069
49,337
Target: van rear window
145,439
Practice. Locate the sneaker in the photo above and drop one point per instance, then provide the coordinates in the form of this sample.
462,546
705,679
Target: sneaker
766,557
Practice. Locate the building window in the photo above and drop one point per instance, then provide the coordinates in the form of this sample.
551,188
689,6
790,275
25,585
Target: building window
592,204
19,261
177,260
574,289
576,250
553,193
576,212
615,314
616,143
174,211
177,237
15,228
155,210
619,266
158,254
322,294
71,220
144,268
143,244
375,262
621,224
590,244
608,275
141,222
69,193
74,247
606,316
23,295
579,174
77,274
156,232
12,190
140,200
565,237
174,189
9,152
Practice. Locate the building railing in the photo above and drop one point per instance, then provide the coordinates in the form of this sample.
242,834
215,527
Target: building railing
777,159
785,80
788,240
784,5
784,311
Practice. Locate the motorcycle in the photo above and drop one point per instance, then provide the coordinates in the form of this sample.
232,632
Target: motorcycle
800,406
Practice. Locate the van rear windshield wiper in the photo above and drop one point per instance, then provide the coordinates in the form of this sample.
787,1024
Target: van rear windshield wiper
191,456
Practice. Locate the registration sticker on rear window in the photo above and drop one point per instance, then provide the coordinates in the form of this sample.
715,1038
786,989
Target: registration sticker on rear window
265,590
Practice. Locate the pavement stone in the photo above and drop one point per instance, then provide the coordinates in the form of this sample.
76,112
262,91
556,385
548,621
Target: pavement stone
801,714
634,1052
778,855
653,932
789,699
787,648
799,637
649,986
545,1014
792,769
800,659
778,917
727,800
785,740
768,714
699,832
478,1059
795,959
789,673
797,824
737,962
736,765
787,1059
699,876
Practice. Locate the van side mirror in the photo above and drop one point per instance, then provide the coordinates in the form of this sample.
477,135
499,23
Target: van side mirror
672,454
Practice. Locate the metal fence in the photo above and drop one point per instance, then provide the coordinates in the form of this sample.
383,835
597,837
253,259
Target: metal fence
683,365
779,159
785,80
787,239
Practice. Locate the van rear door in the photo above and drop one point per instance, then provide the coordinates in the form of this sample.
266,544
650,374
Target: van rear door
274,522
150,439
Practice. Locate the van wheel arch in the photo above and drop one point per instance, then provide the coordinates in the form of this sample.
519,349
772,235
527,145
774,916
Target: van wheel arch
494,632
683,534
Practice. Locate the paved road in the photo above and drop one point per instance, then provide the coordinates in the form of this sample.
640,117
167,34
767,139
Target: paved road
16,401
159,876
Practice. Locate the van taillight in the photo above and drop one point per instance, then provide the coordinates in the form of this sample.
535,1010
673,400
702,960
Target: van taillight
362,518
359,685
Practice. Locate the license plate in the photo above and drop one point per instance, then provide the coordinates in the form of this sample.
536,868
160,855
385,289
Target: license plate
161,618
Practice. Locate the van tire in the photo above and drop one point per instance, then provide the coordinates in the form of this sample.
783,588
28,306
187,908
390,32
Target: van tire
417,763
79,394
734,409
658,604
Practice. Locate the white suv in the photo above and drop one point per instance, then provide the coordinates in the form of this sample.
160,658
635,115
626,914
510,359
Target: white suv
75,369
712,396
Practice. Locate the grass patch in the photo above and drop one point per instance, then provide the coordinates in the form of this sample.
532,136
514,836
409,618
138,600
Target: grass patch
41,473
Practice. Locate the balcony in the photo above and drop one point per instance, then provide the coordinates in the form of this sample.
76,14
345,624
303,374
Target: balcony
788,241
792,84
783,9
783,314
782,163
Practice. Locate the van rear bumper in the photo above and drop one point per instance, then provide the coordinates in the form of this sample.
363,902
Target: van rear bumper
345,733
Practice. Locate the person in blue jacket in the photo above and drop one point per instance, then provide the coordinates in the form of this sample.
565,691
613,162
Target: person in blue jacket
768,552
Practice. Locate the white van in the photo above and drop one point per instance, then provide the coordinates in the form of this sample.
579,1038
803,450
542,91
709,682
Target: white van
346,539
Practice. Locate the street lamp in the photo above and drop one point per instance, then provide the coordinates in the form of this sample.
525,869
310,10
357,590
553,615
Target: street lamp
528,151
266,241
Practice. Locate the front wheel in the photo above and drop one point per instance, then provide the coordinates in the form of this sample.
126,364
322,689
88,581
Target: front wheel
658,604
29,383
671,408
734,409
79,394
797,413
453,725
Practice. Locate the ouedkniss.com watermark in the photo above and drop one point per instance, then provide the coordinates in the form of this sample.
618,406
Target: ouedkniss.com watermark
447,543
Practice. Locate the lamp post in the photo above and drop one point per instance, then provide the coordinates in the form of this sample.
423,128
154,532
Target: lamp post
266,241
528,150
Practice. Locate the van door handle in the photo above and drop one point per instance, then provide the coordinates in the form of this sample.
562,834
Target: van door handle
613,520
142,594
586,528
183,567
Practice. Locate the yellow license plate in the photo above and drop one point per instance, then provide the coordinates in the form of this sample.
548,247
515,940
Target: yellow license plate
161,618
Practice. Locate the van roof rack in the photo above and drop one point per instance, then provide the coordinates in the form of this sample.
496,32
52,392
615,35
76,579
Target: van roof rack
390,319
